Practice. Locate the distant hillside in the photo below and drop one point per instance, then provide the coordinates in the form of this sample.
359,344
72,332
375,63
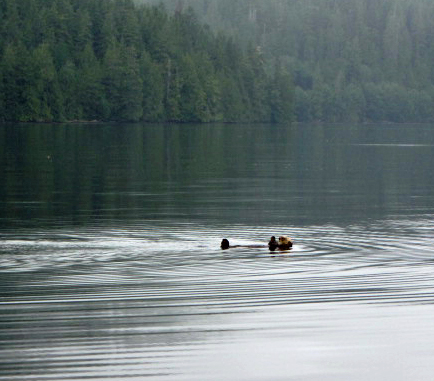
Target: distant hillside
352,60
115,60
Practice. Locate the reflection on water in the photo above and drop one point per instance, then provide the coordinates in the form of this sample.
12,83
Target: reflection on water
110,264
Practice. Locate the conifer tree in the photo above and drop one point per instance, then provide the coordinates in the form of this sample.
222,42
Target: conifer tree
281,96
123,84
47,90
153,88
193,105
92,99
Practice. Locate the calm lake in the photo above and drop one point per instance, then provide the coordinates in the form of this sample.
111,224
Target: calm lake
110,265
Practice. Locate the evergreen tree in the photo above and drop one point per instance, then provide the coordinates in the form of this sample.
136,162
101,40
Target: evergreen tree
255,83
153,89
92,101
193,105
172,96
20,97
69,82
334,46
281,96
50,102
114,60
208,79
123,84
232,106
103,25
126,23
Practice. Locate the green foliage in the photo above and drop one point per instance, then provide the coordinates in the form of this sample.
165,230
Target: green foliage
232,103
115,60
260,60
193,105
123,83
352,60
48,96
282,96
153,88
20,92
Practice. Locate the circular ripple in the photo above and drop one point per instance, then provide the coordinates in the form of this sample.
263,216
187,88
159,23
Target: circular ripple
147,299
387,262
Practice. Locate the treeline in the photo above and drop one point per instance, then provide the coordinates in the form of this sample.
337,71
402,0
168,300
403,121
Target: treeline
351,60
115,60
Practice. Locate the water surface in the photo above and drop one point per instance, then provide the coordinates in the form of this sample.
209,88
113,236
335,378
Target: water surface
110,264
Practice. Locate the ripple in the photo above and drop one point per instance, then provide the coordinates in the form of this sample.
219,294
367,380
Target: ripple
134,303
377,262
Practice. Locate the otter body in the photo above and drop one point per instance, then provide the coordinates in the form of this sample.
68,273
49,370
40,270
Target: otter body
284,243
226,245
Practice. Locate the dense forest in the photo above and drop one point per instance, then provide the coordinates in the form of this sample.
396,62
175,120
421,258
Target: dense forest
63,60
351,60
217,60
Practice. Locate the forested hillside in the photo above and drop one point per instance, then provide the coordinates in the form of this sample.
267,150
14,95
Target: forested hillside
260,60
351,60
116,60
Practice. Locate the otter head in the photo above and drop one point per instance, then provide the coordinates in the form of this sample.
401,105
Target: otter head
225,244
272,245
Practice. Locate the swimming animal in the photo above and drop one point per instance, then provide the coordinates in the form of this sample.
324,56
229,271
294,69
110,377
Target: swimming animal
273,245
284,243
225,244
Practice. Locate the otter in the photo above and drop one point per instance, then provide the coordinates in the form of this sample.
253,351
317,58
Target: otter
284,243
273,245
226,245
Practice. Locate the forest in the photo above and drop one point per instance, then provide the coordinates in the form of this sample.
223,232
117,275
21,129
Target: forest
115,60
350,60
217,60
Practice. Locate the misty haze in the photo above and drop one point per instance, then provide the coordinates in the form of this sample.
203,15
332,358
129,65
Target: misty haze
137,136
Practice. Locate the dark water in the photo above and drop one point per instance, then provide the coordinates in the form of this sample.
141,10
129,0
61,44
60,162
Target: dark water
110,266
